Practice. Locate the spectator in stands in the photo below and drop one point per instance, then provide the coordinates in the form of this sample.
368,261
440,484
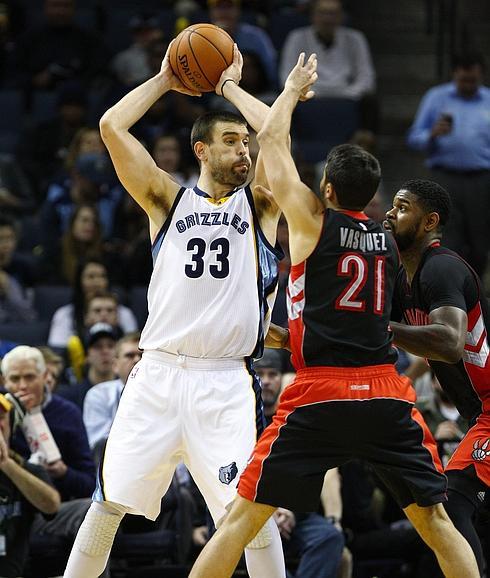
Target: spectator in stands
58,50
100,346
15,301
81,241
16,194
44,146
54,367
85,140
139,263
101,401
24,490
92,181
452,127
444,420
345,67
73,475
131,66
91,279
101,308
21,267
167,152
250,38
315,539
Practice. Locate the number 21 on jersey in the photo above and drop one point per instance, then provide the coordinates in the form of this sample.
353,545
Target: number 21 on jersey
356,267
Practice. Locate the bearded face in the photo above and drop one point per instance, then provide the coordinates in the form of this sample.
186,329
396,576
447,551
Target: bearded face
405,237
234,175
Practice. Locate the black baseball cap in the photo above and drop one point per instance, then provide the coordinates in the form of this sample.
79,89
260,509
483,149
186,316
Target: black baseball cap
99,330
272,358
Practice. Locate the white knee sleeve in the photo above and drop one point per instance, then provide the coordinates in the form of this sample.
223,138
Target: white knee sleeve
263,537
96,534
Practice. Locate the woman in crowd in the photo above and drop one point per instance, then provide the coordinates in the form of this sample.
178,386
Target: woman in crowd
91,278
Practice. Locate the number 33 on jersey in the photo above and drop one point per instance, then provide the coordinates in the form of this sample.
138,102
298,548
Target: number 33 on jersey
207,256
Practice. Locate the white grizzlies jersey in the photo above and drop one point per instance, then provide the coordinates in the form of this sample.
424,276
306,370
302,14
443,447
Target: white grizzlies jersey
214,279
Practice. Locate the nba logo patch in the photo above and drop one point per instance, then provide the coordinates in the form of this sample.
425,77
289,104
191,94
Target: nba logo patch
228,473
133,373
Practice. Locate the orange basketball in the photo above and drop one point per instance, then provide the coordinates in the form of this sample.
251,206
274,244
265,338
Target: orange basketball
199,55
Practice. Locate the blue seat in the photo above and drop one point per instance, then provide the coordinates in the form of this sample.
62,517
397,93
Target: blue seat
44,105
118,34
30,233
281,25
320,124
34,333
12,107
49,298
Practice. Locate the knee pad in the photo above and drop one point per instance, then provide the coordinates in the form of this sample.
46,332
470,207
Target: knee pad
263,537
96,534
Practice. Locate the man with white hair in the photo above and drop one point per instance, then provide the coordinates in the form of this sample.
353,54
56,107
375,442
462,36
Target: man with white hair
73,475
24,490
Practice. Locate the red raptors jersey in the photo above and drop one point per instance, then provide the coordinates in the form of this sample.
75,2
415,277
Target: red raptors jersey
339,298
443,278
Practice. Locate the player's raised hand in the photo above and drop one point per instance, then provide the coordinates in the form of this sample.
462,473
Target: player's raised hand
233,72
302,77
171,80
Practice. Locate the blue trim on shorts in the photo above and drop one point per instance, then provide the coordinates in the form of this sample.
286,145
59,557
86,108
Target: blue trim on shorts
260,423
99,494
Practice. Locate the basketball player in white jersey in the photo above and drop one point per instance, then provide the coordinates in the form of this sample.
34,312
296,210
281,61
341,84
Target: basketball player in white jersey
193,397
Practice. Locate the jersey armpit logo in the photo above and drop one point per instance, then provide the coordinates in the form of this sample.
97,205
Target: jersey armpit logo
479,453
228,473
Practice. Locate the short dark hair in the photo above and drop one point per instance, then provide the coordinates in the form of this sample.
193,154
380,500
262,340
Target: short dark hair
467,60
202,129
433,198
354,174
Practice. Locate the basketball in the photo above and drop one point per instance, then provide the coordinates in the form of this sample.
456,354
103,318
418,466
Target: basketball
199,54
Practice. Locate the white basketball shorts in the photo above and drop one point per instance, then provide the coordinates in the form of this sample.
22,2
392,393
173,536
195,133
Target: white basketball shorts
204,412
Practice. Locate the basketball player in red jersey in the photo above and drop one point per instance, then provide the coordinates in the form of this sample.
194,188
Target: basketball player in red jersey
347,400
446,313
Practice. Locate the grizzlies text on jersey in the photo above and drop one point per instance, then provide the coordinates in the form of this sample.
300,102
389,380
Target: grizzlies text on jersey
214,279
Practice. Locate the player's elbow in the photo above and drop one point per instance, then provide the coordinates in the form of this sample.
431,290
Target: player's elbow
453,351
107,125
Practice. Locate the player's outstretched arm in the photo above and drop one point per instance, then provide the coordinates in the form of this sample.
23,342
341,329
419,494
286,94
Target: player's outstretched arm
443,339
135,167
299,204
253,110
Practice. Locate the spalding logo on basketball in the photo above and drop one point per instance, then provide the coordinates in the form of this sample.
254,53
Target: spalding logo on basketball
199,55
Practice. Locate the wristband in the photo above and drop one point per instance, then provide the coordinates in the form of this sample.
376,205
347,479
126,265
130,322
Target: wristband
223,85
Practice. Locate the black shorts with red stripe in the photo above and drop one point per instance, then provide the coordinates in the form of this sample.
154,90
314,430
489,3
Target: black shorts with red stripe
330,415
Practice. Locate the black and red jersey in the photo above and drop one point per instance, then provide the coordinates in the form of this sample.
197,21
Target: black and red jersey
339,298
443,278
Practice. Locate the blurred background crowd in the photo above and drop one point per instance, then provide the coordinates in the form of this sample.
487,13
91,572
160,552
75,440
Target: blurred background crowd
404,80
